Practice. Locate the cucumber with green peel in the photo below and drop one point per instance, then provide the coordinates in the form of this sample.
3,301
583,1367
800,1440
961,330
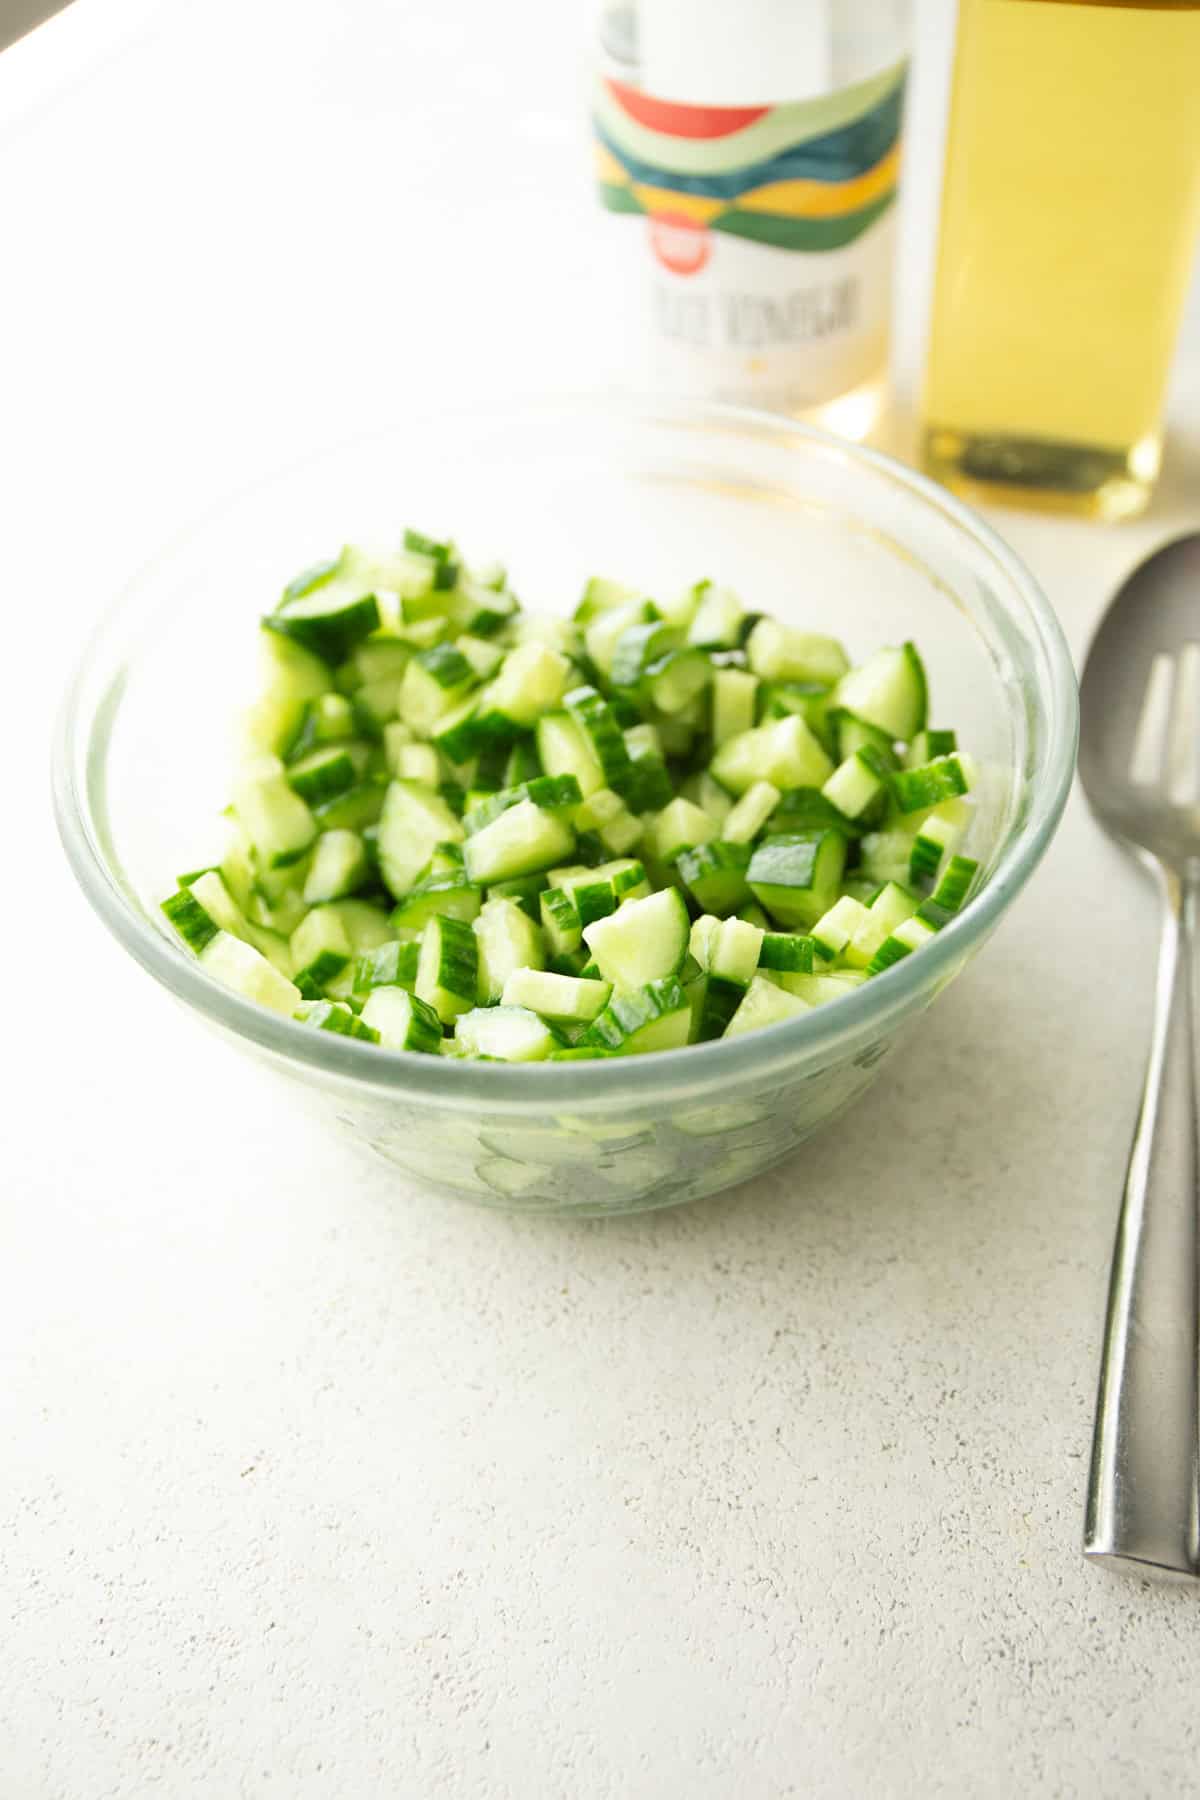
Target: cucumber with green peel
561,923
246,971
744,821
785,753
888,691
777,652
328,617
506,1033
600,595
325,773
209,889
355,810
734,704
763,1003
655,1016
365,924
194,923
643,941
648,787
606,815
716,623
927,746
335,1016
713,1000
859,785
402,1020
714,874
564,748
674,683
834,929
507,940
388,965
811,701
819,989
278,823
337,867
448,967
441,896
927,785
416,762
325,720
548,804
414,819
679,826
320,950
435,682
292,679
811,809
559,998
598,726
555,793
603,633
521,841
788,952
796,875
887,909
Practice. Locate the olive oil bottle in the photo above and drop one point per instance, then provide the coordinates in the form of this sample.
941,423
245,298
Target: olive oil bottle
1070,208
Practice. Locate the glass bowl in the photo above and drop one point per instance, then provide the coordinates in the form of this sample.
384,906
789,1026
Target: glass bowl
803,525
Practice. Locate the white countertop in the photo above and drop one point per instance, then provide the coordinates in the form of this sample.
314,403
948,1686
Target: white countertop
313,1485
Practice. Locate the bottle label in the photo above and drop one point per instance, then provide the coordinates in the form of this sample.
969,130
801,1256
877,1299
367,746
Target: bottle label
767,233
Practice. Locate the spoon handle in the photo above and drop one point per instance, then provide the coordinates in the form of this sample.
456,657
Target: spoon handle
1142,1492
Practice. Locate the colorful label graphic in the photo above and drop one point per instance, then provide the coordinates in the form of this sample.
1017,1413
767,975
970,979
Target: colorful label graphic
768,230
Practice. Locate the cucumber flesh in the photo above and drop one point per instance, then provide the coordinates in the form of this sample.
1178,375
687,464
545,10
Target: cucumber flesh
521,838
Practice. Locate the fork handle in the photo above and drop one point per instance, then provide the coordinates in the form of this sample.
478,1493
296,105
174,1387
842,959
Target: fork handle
1142,1492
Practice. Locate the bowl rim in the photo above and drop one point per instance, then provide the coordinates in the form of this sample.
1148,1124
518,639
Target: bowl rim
452,1083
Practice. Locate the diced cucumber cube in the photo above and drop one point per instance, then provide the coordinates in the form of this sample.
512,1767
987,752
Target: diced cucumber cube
778,652
521,841
338,866
404,1021
796,875
556,997
764,1004
507,1033
243,969
785,753
643,941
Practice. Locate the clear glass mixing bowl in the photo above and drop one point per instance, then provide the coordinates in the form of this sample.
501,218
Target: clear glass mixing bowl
803,525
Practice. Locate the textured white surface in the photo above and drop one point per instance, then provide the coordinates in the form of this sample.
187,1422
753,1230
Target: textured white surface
313,1486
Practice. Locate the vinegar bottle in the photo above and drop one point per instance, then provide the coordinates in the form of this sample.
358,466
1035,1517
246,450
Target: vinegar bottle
750,151
1069,212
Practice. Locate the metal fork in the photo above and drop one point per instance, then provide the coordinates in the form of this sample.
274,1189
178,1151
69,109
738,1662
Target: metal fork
1140,765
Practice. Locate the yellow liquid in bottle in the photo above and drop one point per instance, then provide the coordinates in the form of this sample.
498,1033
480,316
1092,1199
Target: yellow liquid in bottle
1069,214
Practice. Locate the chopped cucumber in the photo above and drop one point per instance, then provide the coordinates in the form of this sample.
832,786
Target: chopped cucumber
403,1021
521,841
889,691
657,824
796,875
657,1016
643,941
556,997
507,1033
764,1004
448,968
785,753
240,966
507,940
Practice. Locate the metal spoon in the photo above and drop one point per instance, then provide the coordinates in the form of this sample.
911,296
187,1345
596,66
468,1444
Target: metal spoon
1140,764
